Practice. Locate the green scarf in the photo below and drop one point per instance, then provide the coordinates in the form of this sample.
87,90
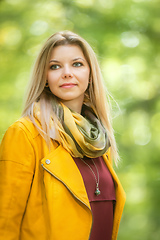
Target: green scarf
81,135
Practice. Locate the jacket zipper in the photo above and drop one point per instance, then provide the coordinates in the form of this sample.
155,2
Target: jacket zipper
70,192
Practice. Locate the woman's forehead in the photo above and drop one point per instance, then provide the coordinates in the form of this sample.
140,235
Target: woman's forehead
67,51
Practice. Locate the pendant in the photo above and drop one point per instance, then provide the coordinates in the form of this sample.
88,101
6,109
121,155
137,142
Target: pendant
97,192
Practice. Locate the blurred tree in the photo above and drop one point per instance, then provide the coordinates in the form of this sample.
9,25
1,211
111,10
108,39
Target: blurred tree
125,35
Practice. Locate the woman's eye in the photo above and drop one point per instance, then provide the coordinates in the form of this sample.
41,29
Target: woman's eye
54,66
77,64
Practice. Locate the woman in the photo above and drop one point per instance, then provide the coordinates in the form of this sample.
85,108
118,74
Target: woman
56,175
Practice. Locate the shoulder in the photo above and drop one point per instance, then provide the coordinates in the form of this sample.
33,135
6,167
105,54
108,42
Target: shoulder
18,143
21,131
25,125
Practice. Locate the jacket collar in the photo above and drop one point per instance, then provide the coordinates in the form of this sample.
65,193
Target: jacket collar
60,164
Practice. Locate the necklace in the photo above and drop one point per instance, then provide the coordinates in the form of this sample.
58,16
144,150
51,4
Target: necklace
97,191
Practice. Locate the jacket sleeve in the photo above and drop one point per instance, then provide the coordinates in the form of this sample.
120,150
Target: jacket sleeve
16,174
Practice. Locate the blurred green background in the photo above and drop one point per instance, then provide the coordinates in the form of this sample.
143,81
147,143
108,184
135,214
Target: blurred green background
126,38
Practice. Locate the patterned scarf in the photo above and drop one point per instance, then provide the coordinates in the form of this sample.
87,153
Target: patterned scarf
81,135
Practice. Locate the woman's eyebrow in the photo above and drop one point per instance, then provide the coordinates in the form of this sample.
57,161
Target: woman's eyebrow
75,59
53,60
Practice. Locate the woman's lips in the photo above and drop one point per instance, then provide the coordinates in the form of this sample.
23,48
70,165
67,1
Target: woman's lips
68,85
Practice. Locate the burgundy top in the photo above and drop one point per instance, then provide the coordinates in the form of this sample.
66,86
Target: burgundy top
101,205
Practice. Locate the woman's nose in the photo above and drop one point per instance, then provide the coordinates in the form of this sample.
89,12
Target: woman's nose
67,73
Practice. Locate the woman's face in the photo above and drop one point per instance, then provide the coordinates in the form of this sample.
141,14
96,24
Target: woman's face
68,75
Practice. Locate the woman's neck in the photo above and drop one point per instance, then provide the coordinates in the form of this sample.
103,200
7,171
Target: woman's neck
74,106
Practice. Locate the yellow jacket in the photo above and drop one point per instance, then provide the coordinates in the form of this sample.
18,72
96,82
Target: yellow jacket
42,194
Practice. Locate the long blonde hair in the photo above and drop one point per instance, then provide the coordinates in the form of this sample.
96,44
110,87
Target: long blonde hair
96,93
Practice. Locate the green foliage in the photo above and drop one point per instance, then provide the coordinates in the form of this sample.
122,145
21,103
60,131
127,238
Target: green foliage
125,35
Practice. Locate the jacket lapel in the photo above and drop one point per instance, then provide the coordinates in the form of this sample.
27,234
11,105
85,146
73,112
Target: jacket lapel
120,198
61,165
118,187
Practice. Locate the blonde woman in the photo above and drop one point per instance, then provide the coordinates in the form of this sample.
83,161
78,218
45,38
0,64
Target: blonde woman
56,175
